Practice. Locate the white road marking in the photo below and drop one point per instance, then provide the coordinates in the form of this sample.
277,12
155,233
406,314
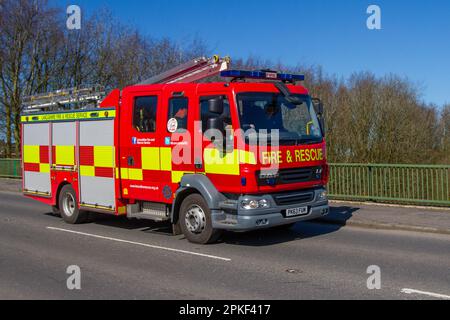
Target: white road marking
431,294
140,244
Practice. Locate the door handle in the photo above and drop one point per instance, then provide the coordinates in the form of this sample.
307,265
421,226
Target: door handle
130,161
198,164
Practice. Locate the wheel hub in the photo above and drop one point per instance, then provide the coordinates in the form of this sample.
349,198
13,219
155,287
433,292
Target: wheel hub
69,204
195,220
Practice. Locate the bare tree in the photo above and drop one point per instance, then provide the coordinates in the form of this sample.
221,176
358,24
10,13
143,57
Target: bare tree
368,118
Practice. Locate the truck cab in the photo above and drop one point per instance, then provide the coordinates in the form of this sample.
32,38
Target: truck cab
222,156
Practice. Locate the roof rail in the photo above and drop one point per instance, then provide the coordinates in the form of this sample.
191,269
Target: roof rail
82,97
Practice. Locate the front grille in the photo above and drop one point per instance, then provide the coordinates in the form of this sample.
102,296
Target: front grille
293,175
293,198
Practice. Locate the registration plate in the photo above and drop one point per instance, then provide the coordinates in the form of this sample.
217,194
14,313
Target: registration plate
296,212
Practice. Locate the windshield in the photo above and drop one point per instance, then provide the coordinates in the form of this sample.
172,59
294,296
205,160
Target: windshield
267,113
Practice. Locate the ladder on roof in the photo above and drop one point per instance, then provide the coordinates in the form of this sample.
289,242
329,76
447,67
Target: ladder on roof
70,98
191,71
91,96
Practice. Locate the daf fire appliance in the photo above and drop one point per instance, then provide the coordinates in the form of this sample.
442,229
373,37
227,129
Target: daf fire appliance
243,154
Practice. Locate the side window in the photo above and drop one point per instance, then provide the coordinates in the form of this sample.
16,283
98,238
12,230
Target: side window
178,110
144,113
205,114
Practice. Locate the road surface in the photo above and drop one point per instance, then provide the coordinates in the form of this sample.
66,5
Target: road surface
130,259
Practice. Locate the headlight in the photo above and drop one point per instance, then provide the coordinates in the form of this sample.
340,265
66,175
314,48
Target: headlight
323,195
250,204
255,204
264,203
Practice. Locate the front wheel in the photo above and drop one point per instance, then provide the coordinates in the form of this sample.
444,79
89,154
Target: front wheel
68,206
195,220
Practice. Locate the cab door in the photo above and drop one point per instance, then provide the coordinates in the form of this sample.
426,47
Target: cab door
177,156
221,163
140,145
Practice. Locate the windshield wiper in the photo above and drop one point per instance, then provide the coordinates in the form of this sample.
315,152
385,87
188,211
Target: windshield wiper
266,138
287,94
299,141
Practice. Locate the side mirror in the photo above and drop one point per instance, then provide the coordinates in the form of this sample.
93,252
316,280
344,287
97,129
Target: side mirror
215,132
215,124
215,105
318,106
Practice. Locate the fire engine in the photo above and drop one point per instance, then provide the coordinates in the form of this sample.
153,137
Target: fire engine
241,154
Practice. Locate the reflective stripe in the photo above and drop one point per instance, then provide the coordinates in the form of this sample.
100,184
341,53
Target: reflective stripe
160,159
87,171
178,175
166,159
32,157
95,206
150,158
104,172
32,167
124,173
135,174
246,157
65,116
31,154
217,163
104,156
36,193
65,155
44,168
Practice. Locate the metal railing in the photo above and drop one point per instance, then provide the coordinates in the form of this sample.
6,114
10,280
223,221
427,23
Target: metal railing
390,183
10,168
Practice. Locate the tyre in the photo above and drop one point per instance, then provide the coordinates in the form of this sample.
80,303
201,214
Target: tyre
195,220
55,211
68,206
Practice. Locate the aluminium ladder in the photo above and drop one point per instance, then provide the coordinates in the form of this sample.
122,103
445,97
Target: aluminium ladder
91,96
191,71
81,97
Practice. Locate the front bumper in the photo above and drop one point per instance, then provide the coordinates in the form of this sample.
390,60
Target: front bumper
246,220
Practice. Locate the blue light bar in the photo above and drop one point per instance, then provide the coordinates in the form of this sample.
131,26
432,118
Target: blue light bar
264,75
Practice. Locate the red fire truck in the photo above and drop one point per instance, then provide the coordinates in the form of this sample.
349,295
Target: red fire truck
243,154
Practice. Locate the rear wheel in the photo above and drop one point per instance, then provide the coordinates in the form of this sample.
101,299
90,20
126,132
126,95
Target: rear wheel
195,220
68,206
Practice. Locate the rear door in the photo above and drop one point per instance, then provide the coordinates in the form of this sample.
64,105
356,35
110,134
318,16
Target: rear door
97,164
36,158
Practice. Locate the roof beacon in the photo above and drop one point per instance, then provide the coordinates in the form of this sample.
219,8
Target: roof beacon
262,75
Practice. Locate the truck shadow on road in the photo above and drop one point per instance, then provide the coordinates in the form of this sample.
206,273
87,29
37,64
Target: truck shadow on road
267,237
300,231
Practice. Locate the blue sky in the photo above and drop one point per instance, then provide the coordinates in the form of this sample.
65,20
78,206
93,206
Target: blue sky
414,41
